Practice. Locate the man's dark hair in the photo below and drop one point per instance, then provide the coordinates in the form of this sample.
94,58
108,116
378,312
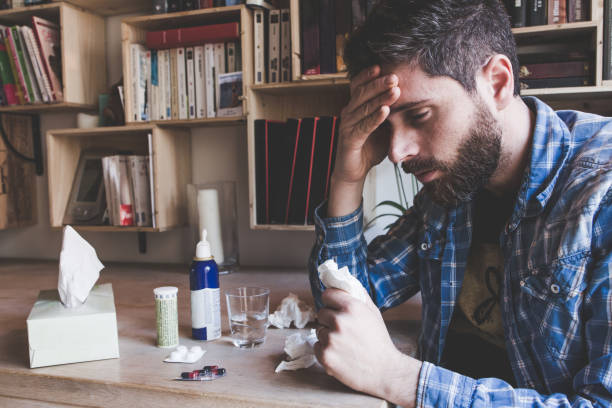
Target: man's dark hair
451,38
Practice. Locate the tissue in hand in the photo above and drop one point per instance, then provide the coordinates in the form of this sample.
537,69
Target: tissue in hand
79,269
292,309
332,277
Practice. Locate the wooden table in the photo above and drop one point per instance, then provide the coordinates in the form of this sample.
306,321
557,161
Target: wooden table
139,378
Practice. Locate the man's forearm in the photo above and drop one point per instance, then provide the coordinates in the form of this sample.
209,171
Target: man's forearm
344,197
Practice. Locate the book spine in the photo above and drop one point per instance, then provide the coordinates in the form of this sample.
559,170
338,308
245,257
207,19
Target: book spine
108,189
557,12
578,10
174,99
554,82
190,36
41,75
181,77
209,72
191,98
17,81
230,48
6,75
47,38
151,169
146,72
310,167
555,70
285,47
167,88
126,193
327,36
259,44
309,24
140,182
219,54
36,74
29,69
18,69
199,81
537,13
154,81
273,46
230,91
518,12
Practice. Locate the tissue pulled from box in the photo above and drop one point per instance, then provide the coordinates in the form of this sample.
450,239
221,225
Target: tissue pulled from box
332,277
292,309
79,269
299,349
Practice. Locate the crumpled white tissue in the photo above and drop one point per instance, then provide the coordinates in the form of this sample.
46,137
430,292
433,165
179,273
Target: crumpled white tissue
332,277
299,349
292,309
184,355
79,269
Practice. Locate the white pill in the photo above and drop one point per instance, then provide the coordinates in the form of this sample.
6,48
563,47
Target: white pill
181,348
176,355
195,349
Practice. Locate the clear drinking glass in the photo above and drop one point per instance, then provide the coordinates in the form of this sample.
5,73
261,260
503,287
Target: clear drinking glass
247,311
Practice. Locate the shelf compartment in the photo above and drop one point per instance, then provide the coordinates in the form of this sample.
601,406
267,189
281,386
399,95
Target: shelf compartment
83,54
171,150
225,121
134,30
280,227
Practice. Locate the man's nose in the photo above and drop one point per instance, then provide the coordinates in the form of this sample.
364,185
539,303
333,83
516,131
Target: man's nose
403,145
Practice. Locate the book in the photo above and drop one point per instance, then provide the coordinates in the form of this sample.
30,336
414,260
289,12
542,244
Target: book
191,98
154,86
343,26
309,27
557,12
301,172
209,75
230,94
29,67
35,56
165,85
555,70
262,180
518,12
285,46
139,82
126,193
145,67
259,44
199,81
607,45
160,6
17,64
47,37
19,91
230,49
322,163
189,36
181,81
6,76
175,5
327,36
274,46
281,138
151,179
110,182
219,55
537,13
578,10
139,176
554,82
174,93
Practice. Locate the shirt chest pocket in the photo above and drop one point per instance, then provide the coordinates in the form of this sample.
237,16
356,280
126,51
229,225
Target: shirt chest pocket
552,300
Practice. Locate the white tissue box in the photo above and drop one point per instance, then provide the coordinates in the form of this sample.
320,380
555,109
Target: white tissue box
59,335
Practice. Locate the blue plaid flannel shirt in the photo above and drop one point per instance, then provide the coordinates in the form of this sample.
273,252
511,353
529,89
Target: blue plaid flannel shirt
557,254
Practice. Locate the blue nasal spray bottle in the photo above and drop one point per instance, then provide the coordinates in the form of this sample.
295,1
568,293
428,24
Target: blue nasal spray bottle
205,296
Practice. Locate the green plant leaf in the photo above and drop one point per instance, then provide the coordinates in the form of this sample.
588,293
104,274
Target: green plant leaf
380,216
391,204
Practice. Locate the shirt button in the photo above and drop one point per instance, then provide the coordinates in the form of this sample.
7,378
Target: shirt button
424,246
554,288
522,283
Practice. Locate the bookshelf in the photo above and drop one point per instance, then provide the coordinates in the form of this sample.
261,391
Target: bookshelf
83,55
133,31
171,160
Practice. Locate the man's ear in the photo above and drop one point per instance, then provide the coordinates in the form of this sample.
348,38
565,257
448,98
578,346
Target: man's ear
498,80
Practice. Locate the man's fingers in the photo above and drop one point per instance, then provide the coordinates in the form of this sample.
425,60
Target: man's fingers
387,98
364,76
336,299
370,90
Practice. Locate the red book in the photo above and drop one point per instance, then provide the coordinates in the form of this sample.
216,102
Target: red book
8,82
555,70
18,69
48,40
310,167
184,37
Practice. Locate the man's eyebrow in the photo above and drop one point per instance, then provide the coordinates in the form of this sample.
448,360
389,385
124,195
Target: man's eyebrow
406,106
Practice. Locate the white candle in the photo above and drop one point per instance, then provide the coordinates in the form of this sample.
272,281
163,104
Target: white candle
210,218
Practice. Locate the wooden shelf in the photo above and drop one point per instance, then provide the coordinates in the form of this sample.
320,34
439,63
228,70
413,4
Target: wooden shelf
50,107
113,7
288,88
577,92
278,227
555,29
229,121
212,15
112,228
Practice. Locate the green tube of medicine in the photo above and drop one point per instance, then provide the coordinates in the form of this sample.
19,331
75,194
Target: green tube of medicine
166,309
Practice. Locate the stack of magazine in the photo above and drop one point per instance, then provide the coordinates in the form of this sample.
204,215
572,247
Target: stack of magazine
30,63
128,193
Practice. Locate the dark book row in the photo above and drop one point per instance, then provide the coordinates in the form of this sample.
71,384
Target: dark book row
294,160
556,74
324,28
524,13
7,4
172,6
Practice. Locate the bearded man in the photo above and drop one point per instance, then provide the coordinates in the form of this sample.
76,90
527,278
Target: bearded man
509,241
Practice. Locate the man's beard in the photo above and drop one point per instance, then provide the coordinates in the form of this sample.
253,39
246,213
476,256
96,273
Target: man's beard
478,157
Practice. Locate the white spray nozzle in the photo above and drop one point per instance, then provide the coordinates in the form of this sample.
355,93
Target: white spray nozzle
203,247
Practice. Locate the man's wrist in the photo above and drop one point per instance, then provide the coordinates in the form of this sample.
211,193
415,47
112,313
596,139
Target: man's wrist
401,382
344,197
